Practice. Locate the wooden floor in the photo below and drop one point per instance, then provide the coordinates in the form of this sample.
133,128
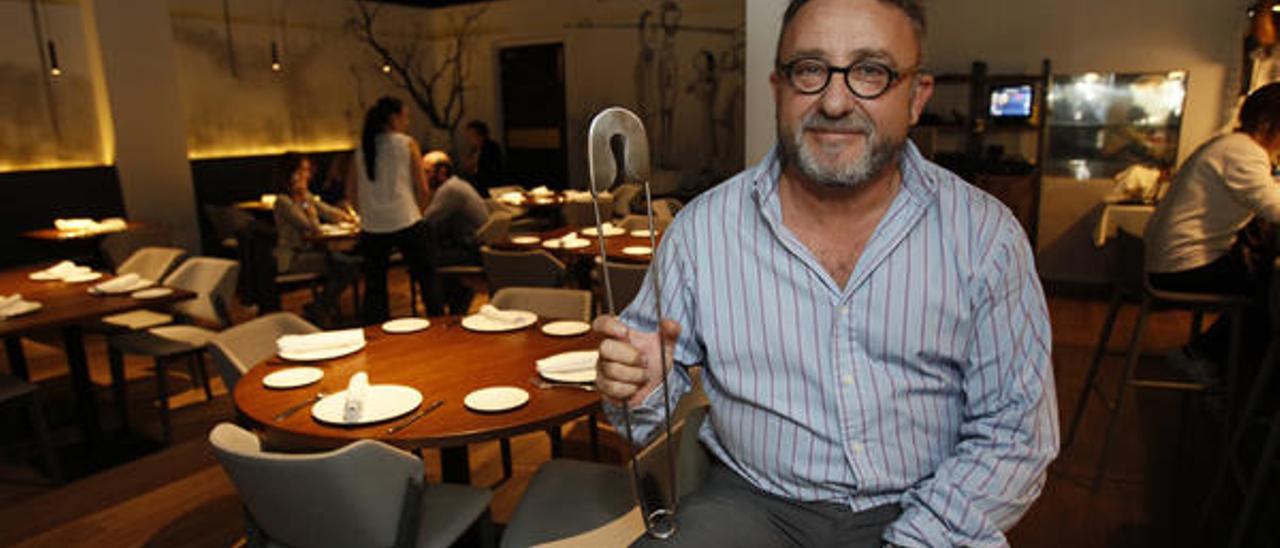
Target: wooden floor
135,493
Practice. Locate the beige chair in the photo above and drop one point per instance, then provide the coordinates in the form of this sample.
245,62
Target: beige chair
238,348
18,392
152,263
623,196
533,268
213,281
546,302
364,494
579,503
118,247
579,214
492,231
625,279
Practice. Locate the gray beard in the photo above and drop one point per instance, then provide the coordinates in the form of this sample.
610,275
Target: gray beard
877,153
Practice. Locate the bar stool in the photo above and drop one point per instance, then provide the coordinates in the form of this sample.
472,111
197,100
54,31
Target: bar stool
1132,285
14,390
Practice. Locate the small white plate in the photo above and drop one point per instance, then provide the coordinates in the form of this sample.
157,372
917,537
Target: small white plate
293,377
578,366
322,354
608,232
560,244
382,402
496,399
566,328
26,307
153,293
141,283
406,325
640,233
81,278
483,324
637,250
526,240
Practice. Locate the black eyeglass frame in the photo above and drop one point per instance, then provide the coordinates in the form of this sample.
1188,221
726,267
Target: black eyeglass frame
894,76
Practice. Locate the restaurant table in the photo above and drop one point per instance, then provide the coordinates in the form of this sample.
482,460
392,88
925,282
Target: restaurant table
55,235
67,307
255,206
613,245
1132,218
444,362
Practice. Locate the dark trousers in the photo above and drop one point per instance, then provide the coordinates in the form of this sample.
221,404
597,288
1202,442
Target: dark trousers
415,243
726,510
1235,273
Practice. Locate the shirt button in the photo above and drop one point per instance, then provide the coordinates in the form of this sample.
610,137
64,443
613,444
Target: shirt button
847,380
855,447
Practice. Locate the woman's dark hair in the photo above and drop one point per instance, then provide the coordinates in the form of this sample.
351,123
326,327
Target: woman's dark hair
1261,111
375,122
288,164
481,128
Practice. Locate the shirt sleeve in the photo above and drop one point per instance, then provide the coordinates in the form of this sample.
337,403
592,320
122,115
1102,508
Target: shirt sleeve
443,201
1009,430
290,212
676,275
327,212
1246,170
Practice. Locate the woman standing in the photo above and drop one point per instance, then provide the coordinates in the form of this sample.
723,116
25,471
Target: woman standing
298,214
389,189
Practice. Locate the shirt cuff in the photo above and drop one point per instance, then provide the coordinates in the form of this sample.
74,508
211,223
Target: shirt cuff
916,527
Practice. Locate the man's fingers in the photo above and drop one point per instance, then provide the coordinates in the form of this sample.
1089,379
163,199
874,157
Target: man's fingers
618,351
615,371
609,326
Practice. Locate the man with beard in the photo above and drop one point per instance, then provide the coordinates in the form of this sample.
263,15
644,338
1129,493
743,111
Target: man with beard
875,341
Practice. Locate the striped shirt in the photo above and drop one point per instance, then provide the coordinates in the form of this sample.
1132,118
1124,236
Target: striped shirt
925,381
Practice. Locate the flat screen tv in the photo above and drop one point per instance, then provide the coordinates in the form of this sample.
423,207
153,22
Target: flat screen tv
1012,103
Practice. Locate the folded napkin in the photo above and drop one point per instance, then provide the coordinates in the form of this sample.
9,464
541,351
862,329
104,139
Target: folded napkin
316,342
571,237
569,362
357,390
505,316
112,224
541,191
120,283
78,223
268,200
577,196
9,302
64,268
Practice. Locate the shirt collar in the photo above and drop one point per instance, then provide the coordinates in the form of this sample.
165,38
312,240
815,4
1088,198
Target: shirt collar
916,179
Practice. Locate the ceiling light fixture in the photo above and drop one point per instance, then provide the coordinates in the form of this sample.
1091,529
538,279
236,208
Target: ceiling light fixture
275,57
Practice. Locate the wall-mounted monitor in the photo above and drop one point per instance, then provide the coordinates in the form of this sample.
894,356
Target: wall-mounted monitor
1013,103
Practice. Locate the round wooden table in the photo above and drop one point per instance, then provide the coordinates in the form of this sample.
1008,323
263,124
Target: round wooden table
444,362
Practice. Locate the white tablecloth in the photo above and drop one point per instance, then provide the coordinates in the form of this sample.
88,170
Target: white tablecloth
1130,217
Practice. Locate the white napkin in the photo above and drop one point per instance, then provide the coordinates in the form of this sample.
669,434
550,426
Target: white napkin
569,362
577,196
357,389
541,191
65,268
9,302
315,342
516,197
119,283
268,200
570,237
77,223
112,224
505,316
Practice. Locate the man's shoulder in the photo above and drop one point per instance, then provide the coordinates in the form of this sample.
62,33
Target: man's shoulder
729,191
967,209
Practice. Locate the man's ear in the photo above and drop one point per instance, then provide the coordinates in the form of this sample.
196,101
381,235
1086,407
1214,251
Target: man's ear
921,92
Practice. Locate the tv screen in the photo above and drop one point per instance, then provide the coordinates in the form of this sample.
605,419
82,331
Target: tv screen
1012,101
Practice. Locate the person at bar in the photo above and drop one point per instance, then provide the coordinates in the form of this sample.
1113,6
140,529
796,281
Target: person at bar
455,212
874,336
298,214
484,162
389,187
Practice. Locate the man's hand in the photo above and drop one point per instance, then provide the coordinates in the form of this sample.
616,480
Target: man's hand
629,366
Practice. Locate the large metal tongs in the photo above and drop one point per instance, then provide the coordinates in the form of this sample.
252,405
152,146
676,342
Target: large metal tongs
619,123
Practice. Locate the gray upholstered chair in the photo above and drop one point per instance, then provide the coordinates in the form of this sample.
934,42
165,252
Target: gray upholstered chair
546,302
578,214
623,196
238,348
367,493
213,281
18,392
151,263
119,246
625,279
580,503
532,268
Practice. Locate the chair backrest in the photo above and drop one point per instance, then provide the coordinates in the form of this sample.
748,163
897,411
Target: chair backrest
533,268
546,302
623,195
666,208
152,263
213,281
352,496
118,247
1129,271
581,213
691,462
494,228
240,347
625,279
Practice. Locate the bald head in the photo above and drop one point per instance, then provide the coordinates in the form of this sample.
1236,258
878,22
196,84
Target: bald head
913,9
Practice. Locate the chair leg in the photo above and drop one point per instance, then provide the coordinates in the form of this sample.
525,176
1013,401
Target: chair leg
119,385
41,428
1130,364
1099,352
413,295
593,432
204,375
162,390
1257,484
505,445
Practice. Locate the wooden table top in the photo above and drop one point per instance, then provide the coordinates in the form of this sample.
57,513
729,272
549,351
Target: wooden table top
55,235
444,362
613,245
68,303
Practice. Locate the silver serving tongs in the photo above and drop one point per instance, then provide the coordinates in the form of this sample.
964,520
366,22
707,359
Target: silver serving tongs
616,122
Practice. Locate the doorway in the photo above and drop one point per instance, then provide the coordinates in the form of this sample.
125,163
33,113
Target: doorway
533,114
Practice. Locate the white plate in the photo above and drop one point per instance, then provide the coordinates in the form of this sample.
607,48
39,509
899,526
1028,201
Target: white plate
293,377
476,322
640,233
578,366
496,399
153,293
42,276
382,402
559,244
81,278
525,240
637,250
26,307
406,325
135,286
566,328
322,354
611,231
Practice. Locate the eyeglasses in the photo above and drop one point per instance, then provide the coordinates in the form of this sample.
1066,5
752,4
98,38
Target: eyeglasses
866,79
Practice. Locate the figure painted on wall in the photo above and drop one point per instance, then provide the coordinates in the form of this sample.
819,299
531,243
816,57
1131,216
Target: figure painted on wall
646,61
668,78
705,87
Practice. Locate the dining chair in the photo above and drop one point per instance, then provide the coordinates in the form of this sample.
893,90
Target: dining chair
625,279
547,302
240,347
18,392
213,281
582,213
624,195
119,246
1132,286
366,493
581,503
151,263
493,230
531,268
638,221
226,221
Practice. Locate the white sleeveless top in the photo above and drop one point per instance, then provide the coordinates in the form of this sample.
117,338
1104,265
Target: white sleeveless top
387,203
